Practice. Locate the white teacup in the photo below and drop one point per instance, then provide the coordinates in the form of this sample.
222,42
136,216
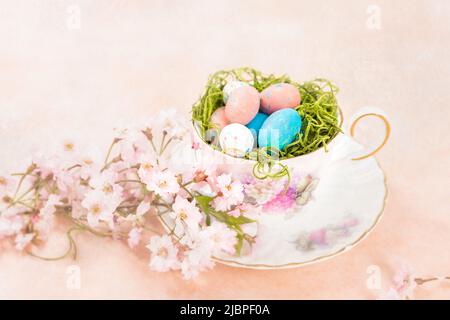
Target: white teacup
202,153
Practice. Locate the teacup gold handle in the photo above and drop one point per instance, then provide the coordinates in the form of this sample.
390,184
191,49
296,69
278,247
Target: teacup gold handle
386,137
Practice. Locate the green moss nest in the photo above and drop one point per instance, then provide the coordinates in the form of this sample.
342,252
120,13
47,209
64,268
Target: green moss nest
318,107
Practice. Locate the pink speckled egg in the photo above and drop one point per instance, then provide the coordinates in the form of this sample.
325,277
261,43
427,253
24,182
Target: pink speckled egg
242,105
219,119
279,96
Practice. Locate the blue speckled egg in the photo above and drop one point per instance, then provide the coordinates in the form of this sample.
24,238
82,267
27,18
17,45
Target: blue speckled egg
257,123
280,129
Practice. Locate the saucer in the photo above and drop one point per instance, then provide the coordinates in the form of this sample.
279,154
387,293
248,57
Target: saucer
345,205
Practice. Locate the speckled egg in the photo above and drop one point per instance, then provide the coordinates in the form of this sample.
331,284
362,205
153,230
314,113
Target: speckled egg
279,96
280,129
242,105
219,119
230,87
256,124
236,140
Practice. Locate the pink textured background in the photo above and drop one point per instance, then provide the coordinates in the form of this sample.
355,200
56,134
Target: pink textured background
131,58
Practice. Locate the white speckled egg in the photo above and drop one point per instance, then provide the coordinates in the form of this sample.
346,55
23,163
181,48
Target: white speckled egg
230,87
236,140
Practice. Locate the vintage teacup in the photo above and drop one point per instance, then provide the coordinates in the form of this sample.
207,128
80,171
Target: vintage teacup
312,163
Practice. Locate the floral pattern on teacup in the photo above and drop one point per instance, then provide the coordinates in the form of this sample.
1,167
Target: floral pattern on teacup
327,236
275,195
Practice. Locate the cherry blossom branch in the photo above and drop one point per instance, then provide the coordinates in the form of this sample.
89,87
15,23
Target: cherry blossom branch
116,196
421,281
405,282
72,248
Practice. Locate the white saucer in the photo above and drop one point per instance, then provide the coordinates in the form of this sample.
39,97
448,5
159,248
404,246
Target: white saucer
344,207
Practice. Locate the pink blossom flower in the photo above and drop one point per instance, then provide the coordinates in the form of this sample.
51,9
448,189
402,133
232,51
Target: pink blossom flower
99,208
147,166
404,281
228,187
230,193
122,170
163,183
404,284
5,201
77,194
64,179
204,177
206,168
46,165
68,152
220,237
186,215
50,206
168,121
222,203
43,222
23,240
10,225
6,185
68,146
197,259
195,262
90,165
132,145
137,218
164,254
190,270
244,209
42,225
134,237
8,212
78,210
143,208
205,188
104,181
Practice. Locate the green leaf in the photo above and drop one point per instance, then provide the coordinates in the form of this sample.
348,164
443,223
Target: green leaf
221,216
234,223
204,203
240,220
239,244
